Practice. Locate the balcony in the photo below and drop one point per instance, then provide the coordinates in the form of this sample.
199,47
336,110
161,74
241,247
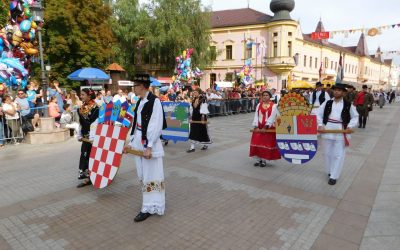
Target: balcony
280,64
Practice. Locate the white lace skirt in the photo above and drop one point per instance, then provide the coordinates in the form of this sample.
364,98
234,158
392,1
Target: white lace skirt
151,176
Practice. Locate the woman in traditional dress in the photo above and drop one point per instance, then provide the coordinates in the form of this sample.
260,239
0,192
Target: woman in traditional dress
198,127
263,144
88,114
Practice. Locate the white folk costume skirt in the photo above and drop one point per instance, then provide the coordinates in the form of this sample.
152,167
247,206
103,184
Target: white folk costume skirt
151,176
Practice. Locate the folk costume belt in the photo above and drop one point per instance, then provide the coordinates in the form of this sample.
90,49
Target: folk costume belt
346,141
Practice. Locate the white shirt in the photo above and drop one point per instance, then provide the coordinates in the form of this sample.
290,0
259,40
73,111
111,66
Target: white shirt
118,97
270,120
153,130
336,114
8,107
316,103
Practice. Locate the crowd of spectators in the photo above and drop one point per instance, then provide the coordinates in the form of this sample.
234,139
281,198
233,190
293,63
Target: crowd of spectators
20,110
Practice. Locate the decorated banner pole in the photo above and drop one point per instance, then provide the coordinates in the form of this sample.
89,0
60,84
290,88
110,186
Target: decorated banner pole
199,122
127,150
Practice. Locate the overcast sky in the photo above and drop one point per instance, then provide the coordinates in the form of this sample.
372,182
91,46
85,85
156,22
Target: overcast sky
336,15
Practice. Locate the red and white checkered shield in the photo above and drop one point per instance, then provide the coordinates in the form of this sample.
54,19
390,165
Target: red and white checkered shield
106,154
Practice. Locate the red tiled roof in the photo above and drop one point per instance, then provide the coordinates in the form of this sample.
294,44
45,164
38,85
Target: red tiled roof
238,17
114,67
388,62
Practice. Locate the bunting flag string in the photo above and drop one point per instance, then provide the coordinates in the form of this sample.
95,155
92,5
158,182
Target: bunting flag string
368,31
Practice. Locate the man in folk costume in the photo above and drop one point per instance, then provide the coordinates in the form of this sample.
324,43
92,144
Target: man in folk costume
263,145
363,103
147,125
336,114
198,129
318,96
88,114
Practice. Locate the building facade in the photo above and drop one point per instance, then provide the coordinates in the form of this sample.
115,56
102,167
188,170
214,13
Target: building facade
281,54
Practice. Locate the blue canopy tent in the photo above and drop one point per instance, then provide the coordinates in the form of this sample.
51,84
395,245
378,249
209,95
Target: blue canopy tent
154,82
88,74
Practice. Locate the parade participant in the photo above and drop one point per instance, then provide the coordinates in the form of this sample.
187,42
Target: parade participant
363,103
351,94
336,114
381,98
148,123
318,97
275,96
198,130
263,145
88,114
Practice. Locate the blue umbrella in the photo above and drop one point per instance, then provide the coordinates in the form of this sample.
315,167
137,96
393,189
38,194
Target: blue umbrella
154,82
88,74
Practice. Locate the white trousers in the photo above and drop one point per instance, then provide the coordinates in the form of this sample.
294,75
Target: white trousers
151,176
74,126
334,153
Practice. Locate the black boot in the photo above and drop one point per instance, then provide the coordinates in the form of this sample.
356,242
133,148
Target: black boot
141,217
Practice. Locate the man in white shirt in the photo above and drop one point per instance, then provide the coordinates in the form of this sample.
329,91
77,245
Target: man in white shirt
318,97
120,96
148,123
275,97
336,114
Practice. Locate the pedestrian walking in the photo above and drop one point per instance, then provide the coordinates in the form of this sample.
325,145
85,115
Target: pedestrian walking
88,114
148,123
336,114
363,103
198,128
263,144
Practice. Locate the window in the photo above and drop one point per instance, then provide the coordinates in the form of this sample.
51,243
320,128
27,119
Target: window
290,34
356,69
366,70
310,61
249,52
213,53
316,63
275,34
331,64
228,52
229,77
305,61
213,78
352,69
275,49
290,49
326,62
335,65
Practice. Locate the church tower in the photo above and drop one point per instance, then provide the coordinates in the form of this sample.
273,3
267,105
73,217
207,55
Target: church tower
282,31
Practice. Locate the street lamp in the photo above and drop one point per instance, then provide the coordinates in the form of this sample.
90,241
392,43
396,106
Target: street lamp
38,13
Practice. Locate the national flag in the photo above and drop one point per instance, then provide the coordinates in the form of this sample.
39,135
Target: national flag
109,108
340,71
115,111
122,113
258,49
130,113
102,113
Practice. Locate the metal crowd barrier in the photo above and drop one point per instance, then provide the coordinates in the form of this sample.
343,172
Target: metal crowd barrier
225,107
12,130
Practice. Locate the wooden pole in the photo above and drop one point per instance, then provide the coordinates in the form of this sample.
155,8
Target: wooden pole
127,150
199,122
257,130
338,131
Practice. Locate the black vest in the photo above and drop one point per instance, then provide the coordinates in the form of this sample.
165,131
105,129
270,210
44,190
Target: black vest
321,97
346,117
146,113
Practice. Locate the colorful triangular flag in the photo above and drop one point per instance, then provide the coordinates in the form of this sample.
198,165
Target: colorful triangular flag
109,108
115,111
122,112
102,112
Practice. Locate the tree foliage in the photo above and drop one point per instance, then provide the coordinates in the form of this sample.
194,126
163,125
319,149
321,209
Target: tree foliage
77,34
4,10
166,28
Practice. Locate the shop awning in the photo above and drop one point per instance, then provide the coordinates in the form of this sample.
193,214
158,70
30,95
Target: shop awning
300,84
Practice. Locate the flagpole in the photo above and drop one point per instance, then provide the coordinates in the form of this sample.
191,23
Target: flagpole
256,58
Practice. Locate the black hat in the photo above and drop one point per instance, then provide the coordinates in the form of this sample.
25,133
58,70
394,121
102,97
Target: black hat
142,79
365,86
341,86
318,84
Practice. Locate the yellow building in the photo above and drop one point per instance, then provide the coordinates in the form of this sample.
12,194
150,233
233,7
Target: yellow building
280,51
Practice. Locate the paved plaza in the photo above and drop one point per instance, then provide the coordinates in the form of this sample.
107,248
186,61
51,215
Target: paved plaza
216,199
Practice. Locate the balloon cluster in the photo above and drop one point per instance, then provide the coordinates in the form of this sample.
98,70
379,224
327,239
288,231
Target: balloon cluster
184,72
245,75
17,44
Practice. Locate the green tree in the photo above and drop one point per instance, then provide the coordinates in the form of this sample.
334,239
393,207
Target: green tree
4,9
130,25
162,29
177,25
77,34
